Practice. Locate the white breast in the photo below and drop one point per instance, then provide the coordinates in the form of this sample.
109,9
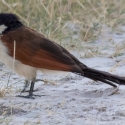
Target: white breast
21,69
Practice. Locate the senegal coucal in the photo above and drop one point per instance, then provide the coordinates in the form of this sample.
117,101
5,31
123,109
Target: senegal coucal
30,51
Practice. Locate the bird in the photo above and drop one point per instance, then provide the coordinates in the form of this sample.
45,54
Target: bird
30,51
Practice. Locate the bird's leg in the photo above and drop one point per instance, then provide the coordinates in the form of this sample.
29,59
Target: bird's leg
31,90
27,83
25,86
32,87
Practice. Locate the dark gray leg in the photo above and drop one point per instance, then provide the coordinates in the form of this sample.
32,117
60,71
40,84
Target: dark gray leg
27,83
31,89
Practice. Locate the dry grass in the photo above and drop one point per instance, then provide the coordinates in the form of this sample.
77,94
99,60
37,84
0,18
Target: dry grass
56,18
71,23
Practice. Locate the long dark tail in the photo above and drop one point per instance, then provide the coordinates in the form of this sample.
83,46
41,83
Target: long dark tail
103,77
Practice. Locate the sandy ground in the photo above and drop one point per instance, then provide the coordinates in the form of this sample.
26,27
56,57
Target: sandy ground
73,100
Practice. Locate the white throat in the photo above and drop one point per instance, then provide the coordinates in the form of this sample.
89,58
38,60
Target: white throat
2,28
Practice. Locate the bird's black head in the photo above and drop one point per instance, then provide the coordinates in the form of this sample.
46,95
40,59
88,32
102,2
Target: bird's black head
9,22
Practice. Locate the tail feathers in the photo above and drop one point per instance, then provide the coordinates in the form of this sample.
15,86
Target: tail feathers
103,77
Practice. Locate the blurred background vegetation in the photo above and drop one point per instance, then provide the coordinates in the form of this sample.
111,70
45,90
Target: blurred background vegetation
73,24
68,22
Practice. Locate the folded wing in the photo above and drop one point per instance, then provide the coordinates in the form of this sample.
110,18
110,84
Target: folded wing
35,50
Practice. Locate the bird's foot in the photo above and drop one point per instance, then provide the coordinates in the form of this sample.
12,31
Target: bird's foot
29,96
